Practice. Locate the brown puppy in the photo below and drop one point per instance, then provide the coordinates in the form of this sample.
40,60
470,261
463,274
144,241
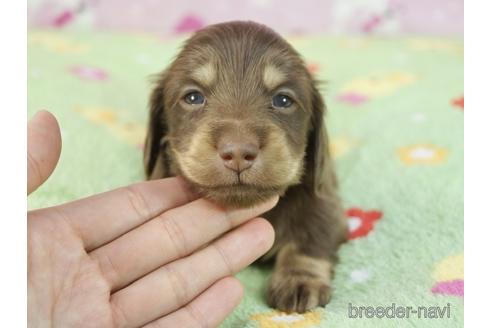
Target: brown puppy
239,116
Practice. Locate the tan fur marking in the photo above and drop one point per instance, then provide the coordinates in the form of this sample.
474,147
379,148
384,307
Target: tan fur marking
196,170
277,149
205,74
289,257
272,77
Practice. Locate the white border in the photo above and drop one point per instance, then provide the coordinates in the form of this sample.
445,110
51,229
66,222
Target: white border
478,163
13,75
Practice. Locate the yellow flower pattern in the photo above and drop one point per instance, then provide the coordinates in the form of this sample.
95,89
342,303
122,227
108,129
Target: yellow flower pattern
440,45
276,319
378,85
130,132
340,146
450,268
422,154
56,43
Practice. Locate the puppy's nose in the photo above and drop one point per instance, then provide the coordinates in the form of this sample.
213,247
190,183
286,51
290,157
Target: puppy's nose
237,156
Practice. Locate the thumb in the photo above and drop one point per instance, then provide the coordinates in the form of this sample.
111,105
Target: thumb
43,148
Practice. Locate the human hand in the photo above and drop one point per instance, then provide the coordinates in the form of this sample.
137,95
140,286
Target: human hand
150,254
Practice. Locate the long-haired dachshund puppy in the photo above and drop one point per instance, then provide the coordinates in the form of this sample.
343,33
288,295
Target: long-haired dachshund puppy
238,115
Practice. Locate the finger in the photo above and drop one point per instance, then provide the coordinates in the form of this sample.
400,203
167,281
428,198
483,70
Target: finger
174,285
207,310
172,235
43,148
101,218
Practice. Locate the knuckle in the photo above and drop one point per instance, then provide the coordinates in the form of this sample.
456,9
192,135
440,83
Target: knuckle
33,163
178,283
137,201
228,217
106,267
156,324
118,314
225,259
175,233
196,316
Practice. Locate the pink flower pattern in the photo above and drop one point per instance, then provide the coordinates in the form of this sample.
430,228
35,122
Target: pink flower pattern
89,73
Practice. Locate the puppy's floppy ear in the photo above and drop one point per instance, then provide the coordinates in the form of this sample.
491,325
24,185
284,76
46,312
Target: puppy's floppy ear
317,151
156,130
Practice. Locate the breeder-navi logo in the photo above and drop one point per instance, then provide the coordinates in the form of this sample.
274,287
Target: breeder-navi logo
393,311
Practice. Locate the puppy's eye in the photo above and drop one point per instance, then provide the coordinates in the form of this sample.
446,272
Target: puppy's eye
194,98
282,101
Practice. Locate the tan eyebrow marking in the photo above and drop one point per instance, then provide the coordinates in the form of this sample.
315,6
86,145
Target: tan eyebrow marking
205,74
272,77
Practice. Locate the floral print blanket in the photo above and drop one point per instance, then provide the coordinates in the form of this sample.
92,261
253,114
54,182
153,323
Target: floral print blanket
396,125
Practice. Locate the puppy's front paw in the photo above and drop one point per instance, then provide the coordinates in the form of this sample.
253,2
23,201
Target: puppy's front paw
297,291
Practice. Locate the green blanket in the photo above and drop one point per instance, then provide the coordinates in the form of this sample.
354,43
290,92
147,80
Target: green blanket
396,125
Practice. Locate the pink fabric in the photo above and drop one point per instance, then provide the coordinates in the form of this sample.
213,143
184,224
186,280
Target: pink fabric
352,98
88,73
436,17
453,287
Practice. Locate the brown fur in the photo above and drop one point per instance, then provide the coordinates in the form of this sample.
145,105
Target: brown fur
236,66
